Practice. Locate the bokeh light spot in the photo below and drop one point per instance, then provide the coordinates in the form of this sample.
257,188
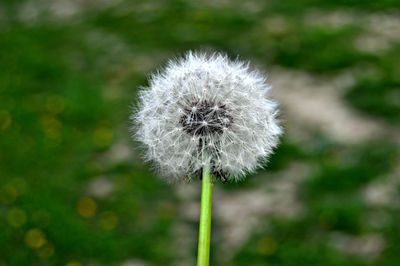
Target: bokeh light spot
87,207
35,238
74,263
51,127
266,245
46,251
5,120
8,194
103,136
108,220
55,104
16,217
20,185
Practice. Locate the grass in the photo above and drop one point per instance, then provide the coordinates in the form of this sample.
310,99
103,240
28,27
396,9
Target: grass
66,84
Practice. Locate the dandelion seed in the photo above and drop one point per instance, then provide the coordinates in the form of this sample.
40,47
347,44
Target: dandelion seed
206,108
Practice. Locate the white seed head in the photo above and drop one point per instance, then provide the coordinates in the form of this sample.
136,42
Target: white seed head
204,108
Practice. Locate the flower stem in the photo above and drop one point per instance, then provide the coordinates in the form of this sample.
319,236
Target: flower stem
203,255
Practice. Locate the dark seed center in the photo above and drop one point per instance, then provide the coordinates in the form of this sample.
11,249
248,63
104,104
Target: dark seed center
205,118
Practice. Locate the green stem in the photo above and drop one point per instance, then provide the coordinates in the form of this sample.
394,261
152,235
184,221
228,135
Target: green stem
203,255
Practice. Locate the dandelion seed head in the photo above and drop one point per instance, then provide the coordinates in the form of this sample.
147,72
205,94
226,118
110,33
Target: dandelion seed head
206,108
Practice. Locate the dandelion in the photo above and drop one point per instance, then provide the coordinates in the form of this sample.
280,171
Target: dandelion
206,115
206,109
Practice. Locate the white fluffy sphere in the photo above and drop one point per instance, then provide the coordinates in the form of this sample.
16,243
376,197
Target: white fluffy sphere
206,109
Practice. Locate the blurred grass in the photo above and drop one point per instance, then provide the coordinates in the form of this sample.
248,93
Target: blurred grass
66,84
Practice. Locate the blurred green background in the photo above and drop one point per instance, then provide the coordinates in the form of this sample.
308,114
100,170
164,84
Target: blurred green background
74,190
